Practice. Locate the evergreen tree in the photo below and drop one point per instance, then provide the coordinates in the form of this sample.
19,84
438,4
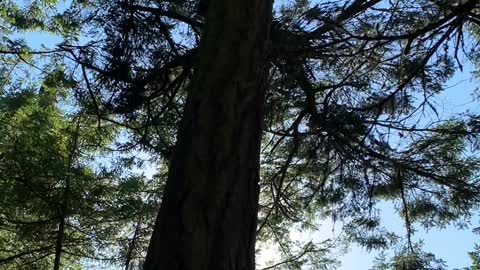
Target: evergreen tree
57,209
475,257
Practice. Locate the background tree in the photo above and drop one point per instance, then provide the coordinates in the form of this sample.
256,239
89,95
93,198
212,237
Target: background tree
59,206
475,257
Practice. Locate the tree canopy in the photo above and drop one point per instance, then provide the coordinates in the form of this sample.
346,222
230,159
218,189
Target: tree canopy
349,122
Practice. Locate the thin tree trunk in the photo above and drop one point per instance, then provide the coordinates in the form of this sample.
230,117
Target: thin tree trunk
208,216
64,204
131,246
59,242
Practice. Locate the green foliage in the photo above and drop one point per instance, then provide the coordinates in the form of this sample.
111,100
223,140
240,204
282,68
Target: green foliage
47,176
407,260
475,257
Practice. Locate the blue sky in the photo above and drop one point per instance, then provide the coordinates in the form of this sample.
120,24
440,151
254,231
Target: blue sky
449,243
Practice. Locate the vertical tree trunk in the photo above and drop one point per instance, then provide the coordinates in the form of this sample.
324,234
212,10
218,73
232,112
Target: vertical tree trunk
131,246
59,242
208,216
64,205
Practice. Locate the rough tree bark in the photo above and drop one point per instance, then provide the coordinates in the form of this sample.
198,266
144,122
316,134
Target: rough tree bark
208,216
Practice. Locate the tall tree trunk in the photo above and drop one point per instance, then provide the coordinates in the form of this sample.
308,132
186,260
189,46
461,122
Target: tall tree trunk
208,216
131,246
59,241
64,205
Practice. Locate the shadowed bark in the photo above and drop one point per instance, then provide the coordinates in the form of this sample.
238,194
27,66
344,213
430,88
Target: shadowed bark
208,216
